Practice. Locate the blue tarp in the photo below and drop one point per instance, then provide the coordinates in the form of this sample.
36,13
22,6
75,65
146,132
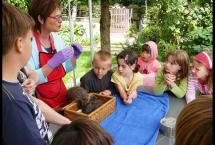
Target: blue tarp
139,122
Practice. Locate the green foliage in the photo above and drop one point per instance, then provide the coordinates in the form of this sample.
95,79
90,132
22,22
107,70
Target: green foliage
200,39
149,33
21,4
176,24
83,65
79,35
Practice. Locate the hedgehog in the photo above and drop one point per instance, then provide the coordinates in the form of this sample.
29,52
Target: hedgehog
86,102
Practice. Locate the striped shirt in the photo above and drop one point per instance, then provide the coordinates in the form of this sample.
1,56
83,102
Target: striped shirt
195,88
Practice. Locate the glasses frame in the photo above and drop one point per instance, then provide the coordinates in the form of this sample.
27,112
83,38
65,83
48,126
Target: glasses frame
57,17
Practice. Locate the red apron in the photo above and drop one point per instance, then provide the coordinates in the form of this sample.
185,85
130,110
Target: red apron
53,92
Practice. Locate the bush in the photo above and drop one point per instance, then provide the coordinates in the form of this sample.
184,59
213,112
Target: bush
178,25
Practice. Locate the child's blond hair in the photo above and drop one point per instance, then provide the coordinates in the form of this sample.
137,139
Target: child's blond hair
103,55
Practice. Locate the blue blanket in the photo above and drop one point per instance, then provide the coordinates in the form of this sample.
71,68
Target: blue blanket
139,122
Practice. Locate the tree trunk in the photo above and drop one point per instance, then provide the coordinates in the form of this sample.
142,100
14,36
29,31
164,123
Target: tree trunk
105,25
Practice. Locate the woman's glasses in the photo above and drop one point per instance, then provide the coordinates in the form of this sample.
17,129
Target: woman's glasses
57,18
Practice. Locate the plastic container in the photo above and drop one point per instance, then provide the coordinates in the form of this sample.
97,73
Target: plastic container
167,127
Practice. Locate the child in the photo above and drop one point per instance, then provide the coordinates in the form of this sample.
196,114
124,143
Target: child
194,124
98,79
127,78
87,103
149,65
82,131
173,77
23,121
200,78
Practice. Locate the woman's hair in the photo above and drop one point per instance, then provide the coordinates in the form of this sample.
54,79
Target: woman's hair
194,125
181,58
210,70
82,131
15,23
43,8
130,58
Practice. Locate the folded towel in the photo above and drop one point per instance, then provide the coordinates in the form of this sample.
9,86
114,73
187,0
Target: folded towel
137,123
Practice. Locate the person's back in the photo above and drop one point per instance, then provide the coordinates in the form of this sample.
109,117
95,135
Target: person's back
23,122
194,125
82,131
97,80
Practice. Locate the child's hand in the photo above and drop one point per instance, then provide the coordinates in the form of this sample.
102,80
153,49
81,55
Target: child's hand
106,93
29,85
127,100
132,94
170,79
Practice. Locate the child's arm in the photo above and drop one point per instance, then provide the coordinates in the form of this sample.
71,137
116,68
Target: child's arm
122,92
132,94
50,114
137,81
191,91
160,84
179,90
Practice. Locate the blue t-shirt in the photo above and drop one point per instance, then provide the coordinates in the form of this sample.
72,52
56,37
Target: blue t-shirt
23,122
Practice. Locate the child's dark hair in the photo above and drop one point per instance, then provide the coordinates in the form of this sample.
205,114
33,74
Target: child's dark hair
130,58
146,48
82,131
182,59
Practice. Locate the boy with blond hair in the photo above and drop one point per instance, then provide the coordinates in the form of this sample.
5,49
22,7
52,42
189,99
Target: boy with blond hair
97,80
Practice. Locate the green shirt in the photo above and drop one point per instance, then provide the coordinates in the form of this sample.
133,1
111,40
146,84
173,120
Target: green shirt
178,90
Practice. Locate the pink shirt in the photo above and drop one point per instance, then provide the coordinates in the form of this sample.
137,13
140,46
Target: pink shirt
149,71
151,66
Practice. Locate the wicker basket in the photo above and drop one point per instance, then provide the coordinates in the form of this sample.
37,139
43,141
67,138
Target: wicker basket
70,110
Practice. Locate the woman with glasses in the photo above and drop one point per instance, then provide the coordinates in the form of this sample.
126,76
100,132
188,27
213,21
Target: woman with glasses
51,59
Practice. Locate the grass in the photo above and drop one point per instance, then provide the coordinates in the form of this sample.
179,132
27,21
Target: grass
83,65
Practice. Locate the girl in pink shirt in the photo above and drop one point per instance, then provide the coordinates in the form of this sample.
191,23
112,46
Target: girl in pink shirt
149,65
200,78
